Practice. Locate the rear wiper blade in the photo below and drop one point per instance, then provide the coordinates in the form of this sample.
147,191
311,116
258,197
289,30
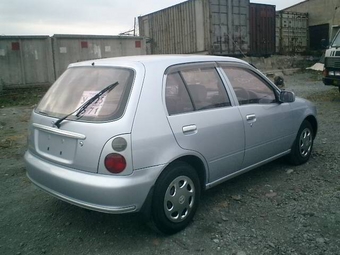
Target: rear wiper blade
81,109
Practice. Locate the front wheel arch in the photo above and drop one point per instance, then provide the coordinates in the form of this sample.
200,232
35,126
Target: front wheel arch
312,120
303,144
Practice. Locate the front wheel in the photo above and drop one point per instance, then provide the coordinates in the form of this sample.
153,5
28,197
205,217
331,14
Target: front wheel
176,197
303,144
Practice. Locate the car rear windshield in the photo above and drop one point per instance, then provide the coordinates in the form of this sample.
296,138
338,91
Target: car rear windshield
78,84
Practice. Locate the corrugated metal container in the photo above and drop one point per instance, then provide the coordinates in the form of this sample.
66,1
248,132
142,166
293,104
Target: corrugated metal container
74,48
291,32
25,60
262,29
219,27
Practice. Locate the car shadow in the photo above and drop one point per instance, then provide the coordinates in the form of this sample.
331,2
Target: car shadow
76,220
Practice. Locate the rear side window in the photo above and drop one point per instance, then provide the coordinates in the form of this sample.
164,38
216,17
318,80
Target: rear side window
195,89
176,95
79,84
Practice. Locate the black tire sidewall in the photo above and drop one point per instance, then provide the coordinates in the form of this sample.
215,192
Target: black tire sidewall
295,157
171,173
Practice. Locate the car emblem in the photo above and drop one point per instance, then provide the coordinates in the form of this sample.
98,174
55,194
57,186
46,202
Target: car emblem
181,200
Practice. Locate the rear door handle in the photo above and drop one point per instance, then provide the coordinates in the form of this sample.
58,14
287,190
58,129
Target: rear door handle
190,129
251,117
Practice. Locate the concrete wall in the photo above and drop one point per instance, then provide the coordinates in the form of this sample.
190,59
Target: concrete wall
74,48
320,12
25,60
39,60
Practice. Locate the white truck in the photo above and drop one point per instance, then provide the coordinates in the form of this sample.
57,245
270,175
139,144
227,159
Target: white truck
331,72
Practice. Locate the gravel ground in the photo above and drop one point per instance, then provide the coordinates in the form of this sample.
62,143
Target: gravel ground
275,209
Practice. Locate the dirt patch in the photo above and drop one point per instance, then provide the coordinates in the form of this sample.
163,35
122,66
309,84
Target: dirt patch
275,209
21,97
331,95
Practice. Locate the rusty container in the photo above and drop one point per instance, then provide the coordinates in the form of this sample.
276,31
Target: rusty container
262,29
219,27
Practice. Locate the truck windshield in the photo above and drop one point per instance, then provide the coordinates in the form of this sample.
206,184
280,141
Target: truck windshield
77,85
336,42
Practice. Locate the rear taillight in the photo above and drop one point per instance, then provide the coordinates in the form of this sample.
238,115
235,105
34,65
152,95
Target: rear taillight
115,163
325,72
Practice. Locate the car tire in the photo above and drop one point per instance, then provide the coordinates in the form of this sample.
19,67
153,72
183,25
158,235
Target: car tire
176,197
303,144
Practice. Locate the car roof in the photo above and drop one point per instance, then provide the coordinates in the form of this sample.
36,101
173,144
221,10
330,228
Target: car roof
160,60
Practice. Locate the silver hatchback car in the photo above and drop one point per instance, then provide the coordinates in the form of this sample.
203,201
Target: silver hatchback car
150,133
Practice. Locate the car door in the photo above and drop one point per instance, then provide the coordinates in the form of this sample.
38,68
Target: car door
267,122
202,118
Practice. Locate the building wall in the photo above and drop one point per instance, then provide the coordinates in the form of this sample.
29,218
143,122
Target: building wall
320,12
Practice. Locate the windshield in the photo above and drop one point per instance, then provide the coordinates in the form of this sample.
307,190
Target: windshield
77,85
336,42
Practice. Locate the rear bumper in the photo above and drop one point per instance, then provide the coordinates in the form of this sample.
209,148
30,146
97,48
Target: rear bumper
104,193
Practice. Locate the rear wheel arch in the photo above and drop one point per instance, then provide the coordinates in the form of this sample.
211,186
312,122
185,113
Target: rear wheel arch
198,165
176,197
176,194
195,162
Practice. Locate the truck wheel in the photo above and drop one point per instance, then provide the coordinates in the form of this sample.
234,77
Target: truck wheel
176,197
303,144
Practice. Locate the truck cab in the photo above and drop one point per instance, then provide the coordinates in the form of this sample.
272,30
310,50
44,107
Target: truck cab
331,72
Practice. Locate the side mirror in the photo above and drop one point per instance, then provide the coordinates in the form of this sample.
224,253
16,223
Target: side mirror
286,96
324,44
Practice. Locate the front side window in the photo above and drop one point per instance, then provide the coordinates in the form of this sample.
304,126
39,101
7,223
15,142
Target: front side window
248,87
79,84
195,89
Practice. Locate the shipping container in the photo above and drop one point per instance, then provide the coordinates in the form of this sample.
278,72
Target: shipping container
291,32
262,29
219,27
74,48
25,60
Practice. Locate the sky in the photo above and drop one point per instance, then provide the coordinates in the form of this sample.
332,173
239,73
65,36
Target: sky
88,17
